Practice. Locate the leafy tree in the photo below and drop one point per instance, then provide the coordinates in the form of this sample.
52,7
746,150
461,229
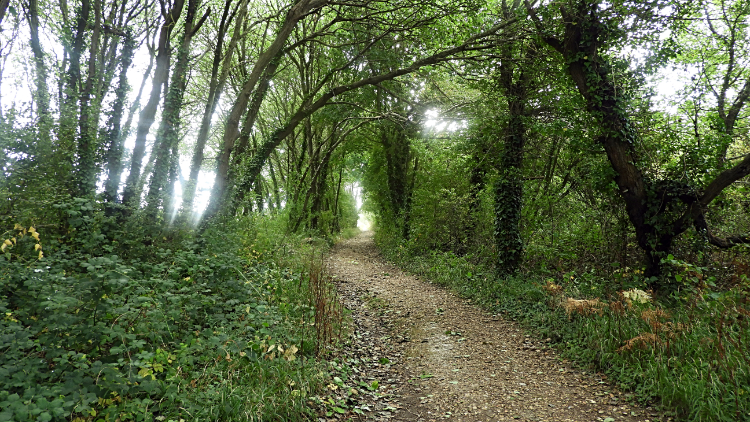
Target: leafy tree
659,210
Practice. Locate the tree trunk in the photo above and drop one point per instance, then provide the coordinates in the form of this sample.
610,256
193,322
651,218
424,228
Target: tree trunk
41,96
132,194
115,138
509,187
276,193
86,169
167,133
173,177
335,210
239,149
216,87
69,105
319,190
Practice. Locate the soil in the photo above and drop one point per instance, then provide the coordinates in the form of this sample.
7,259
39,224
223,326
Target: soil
436,357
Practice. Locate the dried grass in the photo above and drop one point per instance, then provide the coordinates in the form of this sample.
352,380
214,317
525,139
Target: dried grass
642,341
583,306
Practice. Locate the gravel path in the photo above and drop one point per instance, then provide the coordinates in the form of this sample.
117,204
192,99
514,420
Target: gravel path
438,357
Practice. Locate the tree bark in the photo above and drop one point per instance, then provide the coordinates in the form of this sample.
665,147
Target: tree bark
276,193
86,170
72,80
509,187
41,96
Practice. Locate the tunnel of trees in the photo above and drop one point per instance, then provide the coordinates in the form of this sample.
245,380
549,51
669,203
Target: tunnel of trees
529,136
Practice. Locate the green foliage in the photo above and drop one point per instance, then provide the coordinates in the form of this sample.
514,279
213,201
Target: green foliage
209,330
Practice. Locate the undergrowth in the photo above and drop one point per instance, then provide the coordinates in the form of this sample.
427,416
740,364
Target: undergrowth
219,328
689,352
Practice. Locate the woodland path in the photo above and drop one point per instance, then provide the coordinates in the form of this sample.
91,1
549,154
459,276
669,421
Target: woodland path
437,357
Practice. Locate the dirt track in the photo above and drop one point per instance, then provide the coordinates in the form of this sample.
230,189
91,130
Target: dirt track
438,357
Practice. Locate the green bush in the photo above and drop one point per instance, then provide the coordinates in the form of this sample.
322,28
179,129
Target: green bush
209,331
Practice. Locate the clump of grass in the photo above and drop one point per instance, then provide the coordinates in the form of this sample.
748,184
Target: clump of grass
328,310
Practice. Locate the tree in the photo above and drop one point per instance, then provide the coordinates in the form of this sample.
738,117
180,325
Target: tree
219,73
132,194
651,204
516,83
319,99
718,48
167,137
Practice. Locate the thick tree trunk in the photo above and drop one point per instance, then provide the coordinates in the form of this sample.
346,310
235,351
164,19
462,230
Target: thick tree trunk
73,76
398,158
319,190
509,187
132,194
